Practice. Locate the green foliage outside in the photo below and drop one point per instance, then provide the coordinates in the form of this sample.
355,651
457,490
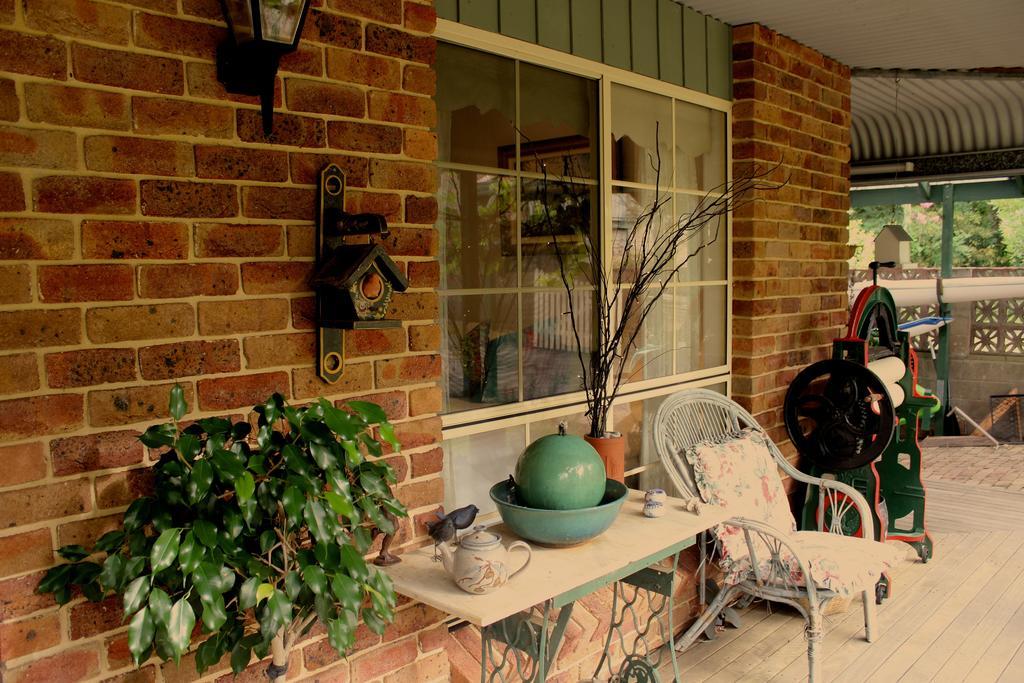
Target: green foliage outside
985,233
253,535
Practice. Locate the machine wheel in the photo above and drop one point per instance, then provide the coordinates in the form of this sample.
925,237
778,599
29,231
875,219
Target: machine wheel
881,591
924,552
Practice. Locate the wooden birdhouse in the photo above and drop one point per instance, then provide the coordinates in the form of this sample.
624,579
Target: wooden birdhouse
354,278
893,244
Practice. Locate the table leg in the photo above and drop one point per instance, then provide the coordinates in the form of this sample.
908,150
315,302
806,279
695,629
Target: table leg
641,660
523,644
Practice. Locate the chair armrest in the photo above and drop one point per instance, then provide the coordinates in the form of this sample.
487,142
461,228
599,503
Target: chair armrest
841,505
776,540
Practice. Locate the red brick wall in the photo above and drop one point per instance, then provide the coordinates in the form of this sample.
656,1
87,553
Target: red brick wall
150,234
790,245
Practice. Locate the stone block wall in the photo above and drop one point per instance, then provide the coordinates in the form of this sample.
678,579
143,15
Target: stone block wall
791,113
150,234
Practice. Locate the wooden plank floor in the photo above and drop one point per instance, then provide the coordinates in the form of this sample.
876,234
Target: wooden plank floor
958,618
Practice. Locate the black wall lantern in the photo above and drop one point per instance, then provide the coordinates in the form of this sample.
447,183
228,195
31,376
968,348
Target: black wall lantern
261,31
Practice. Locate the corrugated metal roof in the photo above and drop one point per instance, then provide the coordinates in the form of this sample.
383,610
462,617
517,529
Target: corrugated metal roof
891,34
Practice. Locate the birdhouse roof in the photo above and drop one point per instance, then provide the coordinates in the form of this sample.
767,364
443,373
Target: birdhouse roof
349,262
896,231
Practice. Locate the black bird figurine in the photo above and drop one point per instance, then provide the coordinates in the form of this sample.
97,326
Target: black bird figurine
444,530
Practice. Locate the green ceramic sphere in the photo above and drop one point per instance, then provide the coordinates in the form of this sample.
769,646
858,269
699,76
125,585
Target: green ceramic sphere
560,472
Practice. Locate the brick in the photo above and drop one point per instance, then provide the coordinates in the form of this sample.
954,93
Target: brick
422,18
395,372
183,198
22,463
23,506
79,18
88,367
15,284
306,168
267,201
7,11
394,403
350,66
86,531
301,241
34,55
276,350
377,662
364,137
121,488
419,79
37,148
134,240
24,552
420,210
424,338
414,306
170,34
76,107
93,618
128,323
240,163
424,432
427,462
325,98
274,277
243,391
248,315
389,41
213,240
202,82
65,284
324,27
206,9
83,194
289,129
420,144
388,11
23,239
378,342
67,665
411,620
18,597
303,313
38,328
138,155
165,116
357,377
424,401
400,108
113,407
182,359
21,374
131,70
307,59
402,175
20,638
12,193
80,454
182,280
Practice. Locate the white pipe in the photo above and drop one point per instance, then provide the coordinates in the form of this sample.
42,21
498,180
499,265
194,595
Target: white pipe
951,290
897,167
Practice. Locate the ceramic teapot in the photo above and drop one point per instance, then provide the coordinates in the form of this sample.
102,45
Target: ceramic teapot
480,563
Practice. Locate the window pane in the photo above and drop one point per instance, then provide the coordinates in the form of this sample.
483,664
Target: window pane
477,223
641,127
651,354
475,107
550,362
569,218
635,421
576,423
709,262
631,209
480,350
558,119
701,336
476,463
700,147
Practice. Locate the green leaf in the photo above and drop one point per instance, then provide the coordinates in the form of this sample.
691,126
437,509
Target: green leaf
187,446
320,524
245,487
328,554
354,563
278,613
315,579
340,504
294,501
247,593
164,550
373,622
206,531
133,568
372,445
55,578
113,570
292,585
135,594
240,656
376,516
208,653
179,626
371,483
240,430
214,614
199,480
352,454
138,514
177,405
159,606
315,432
73,553
264,591
190,554
322,455
214,425
159,435
341,631
110,541
140,634
268,539
371,412
387,432
228,466
340,422
347,590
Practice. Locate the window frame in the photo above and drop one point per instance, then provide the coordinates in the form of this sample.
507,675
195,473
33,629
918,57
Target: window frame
488,418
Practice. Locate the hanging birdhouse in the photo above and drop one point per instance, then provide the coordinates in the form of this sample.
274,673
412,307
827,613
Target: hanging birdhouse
353,282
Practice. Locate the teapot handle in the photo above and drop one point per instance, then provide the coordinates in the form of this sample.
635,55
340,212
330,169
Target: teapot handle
529,555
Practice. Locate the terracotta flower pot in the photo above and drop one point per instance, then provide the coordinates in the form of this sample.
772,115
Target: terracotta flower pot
612,450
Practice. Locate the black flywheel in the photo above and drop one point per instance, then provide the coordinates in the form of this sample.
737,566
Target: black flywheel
839,415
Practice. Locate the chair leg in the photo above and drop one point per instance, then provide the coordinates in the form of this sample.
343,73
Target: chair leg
869,616
814,637
709,615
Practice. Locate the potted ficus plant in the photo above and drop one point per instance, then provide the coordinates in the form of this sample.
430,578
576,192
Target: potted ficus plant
254,531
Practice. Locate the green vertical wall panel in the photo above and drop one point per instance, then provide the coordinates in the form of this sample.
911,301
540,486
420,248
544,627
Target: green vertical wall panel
719,59
518,19
643,28
615,33
480,13
586,29
554,24
695,65
447,9
670,41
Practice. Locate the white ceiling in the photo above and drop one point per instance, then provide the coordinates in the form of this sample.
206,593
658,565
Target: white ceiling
891,34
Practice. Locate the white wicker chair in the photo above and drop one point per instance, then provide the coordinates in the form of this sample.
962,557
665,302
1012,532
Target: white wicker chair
692,416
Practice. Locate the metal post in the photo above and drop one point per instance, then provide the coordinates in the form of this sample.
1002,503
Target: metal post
946,270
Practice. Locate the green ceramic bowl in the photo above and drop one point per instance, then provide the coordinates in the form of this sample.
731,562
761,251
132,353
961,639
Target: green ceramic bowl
559,527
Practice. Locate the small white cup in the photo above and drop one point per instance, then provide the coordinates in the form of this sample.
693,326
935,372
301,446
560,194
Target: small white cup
653,508
655,496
